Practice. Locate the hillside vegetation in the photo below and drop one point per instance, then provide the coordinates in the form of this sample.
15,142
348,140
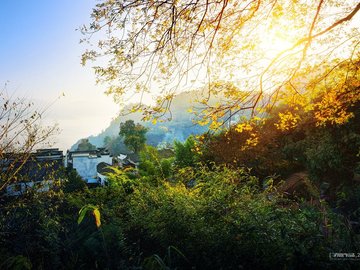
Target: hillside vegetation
271,193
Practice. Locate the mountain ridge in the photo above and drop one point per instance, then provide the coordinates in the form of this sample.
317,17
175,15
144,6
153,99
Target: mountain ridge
178,128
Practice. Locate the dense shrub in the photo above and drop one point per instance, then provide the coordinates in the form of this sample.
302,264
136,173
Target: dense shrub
227,221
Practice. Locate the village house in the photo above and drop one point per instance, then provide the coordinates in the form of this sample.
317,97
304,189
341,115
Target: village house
40,169
36,171
130,160
86,164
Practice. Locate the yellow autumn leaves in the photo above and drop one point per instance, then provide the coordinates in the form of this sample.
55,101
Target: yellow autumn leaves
253,136
335,104
287,121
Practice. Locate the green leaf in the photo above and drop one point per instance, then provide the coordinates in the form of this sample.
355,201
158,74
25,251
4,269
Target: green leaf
82,213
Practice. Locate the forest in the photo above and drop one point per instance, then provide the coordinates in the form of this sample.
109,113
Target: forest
270,177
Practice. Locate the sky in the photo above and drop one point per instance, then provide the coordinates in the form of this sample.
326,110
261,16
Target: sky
40,60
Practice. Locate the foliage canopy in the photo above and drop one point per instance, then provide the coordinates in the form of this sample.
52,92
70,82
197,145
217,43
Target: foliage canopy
246,51
134,135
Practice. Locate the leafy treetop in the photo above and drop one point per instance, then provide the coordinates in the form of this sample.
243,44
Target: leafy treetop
85,145
134,135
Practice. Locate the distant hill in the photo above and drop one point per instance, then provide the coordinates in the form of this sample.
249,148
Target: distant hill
179,128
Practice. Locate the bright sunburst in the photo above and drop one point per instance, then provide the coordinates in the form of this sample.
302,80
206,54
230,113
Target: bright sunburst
276,41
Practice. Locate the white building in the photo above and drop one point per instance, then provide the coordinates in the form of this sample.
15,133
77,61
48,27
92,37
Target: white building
85,163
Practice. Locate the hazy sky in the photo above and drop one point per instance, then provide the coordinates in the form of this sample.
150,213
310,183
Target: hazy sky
40,58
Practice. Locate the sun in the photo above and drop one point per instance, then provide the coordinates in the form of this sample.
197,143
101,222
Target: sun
274,42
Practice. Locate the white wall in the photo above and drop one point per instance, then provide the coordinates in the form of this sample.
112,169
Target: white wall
86,166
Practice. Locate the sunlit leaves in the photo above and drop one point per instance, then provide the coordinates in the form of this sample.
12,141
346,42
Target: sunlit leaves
241,50
287,121
215,124
244,126
335,105
250,133
328,95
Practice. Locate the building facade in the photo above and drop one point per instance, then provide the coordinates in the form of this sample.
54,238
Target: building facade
86,162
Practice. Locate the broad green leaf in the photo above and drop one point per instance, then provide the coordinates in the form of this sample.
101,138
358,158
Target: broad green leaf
82,214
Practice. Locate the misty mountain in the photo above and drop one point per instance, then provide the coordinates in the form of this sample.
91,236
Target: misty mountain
179,128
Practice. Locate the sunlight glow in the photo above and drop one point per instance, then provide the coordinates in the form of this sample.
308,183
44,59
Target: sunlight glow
275,42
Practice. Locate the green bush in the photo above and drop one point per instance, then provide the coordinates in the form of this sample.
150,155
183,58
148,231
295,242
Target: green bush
227,221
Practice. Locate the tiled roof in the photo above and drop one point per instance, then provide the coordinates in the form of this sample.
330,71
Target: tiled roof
104,168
